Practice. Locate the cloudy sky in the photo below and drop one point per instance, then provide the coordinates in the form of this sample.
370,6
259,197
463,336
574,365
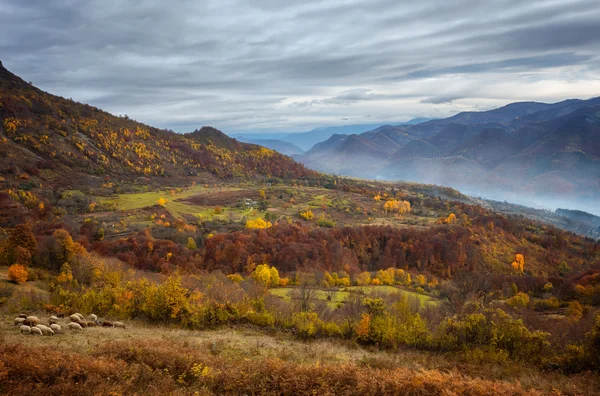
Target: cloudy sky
274,66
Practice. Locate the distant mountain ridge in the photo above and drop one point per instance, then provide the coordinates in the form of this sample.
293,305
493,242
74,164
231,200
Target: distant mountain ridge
306,140
529,149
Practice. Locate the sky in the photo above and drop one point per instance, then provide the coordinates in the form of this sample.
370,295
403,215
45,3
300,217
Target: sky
275,66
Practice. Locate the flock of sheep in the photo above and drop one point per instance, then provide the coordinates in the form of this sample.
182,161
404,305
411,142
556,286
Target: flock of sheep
32,324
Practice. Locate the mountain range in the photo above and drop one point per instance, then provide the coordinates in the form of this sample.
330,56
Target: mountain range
305,140
526,152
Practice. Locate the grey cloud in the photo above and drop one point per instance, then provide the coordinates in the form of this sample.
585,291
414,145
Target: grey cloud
250,65
441,99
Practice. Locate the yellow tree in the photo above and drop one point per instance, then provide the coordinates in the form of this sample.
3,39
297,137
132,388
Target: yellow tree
327,278
17,273
363,279
390,205
519,263
191,244
308,215
262,274
258,224
161,201
274,277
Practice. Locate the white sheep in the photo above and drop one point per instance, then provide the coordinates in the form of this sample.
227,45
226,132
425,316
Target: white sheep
45,330
25,329
81,317
56,328
36,331
75,326
119,324
33,319
74,318
19,321
93,318
54,318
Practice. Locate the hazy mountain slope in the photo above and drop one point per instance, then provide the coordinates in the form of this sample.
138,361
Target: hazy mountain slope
55,139
285,148
342,154
523,151
306,140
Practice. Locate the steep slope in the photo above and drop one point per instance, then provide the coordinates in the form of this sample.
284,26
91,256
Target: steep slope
345,154
490,147
388,138
565,159
284,148
61,141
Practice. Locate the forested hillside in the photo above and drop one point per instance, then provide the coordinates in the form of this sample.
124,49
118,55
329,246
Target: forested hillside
54,139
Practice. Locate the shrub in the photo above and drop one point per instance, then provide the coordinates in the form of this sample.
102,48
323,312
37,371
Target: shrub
323,222
263,319
547,304
17,273
520,300
493,329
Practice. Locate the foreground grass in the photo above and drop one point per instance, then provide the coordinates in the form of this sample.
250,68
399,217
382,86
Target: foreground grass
147,359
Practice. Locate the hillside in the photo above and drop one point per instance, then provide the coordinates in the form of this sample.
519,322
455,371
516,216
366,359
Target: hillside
280,146
58,141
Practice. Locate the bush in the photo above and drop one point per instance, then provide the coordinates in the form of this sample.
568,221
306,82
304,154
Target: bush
549,304
494,330
323,222
520,300
262,319
17,273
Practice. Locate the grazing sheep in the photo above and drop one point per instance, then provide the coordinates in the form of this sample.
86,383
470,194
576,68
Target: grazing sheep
75,326
90,324
33,319
45,330
24,316
56,328
28,322
54,318
93,318
119,325
74,318
81,317
52,321
107,324
82,324
25,329
19,321
36,331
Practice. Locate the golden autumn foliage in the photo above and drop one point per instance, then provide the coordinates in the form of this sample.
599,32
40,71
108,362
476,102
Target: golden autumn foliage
266,275
258,224
393,205
17,273
519,263
161,202
308,215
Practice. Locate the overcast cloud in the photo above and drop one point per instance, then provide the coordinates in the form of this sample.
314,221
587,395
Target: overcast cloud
288,66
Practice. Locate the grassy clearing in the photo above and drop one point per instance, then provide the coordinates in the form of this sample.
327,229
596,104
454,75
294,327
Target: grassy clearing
339,296
423,298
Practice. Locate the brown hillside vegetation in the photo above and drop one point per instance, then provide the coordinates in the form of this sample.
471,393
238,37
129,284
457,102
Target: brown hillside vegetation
48,137
244,361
